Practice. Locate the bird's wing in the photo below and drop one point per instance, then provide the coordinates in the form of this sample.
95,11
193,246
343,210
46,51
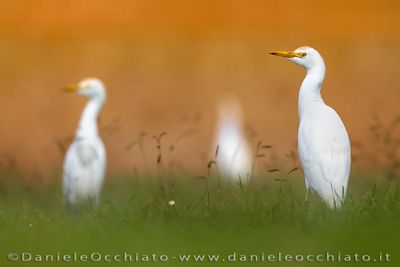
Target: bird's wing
79,157
335,148
335,161
86,153
84,159
324,148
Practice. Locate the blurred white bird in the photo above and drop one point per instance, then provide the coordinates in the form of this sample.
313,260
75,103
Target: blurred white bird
234,157
85,161
323,143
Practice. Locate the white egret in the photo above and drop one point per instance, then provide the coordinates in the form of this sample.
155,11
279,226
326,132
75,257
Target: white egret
85,161
234,156
323,143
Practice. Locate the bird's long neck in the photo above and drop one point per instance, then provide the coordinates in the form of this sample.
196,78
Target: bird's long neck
310,90
88,121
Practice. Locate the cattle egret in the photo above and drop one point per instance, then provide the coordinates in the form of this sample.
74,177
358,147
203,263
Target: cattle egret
323,143
234,156
85,161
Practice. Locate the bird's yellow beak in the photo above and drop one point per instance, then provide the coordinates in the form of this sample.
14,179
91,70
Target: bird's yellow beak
71,88
288,54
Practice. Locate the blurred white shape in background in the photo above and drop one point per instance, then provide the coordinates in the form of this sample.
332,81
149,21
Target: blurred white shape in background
234,158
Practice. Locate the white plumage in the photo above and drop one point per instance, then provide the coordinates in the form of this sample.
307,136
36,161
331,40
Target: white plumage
85,161
234,156
323,143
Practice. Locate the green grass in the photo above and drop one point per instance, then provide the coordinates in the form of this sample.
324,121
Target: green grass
265,217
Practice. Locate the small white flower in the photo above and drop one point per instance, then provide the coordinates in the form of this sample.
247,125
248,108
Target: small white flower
171,203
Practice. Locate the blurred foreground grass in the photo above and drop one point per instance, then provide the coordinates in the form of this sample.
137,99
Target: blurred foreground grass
135,217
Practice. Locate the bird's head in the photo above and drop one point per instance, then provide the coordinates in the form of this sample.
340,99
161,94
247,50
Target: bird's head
304,56
90,87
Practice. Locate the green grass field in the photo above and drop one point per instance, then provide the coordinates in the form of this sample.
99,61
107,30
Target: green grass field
227,220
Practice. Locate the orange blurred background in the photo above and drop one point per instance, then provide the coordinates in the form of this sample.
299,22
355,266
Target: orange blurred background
166,64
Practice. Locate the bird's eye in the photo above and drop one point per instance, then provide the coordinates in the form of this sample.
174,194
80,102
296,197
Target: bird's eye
303,54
